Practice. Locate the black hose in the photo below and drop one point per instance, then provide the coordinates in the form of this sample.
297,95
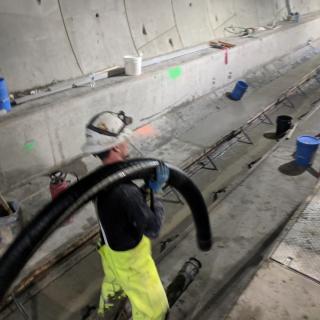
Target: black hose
61,208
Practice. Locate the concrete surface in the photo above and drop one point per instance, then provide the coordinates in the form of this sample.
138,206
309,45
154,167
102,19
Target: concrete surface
172,146
88,26
278,293
300,248
287,284
243,222
257,274
46,41
49,130
233,161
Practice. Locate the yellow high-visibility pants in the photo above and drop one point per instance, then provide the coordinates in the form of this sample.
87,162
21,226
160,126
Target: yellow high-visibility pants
134,272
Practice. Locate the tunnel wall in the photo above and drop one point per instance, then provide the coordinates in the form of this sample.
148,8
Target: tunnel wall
46,41
49,131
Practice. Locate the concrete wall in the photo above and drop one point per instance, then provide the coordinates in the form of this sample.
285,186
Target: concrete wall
45,41
49,131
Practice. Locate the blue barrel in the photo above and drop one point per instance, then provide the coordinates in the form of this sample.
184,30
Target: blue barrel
4,96
239,90
306,150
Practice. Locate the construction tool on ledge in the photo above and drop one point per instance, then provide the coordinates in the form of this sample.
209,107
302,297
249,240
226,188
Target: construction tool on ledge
5,209
221,45
225,46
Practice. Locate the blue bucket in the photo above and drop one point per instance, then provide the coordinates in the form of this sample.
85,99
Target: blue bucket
306,150
239,90
4,96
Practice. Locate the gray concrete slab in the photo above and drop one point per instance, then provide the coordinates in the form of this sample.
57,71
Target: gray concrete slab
300,249
246,218
34,45
177,152
221,15
75,295
304,5
193,21
288,281
278,293
62,237
88,24
149,23
248,15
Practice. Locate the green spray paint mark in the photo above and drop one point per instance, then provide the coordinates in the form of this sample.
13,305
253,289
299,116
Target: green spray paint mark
30,145
175,72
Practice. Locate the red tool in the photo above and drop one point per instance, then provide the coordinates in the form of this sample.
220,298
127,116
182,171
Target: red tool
58,183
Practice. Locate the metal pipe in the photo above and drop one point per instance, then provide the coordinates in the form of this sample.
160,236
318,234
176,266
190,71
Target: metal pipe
183,279
85,190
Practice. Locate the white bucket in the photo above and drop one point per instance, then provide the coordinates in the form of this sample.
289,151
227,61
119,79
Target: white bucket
132,65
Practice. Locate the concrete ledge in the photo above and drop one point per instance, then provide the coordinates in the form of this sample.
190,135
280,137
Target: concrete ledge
49,131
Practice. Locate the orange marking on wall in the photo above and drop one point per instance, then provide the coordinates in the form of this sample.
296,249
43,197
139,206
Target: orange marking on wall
147,131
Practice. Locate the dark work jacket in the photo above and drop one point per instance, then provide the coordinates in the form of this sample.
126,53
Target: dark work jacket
125,216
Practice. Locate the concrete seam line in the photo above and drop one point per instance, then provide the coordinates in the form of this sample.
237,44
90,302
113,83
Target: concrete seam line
129,27
223,23
175,23
207,4
38,274
69,40
157,37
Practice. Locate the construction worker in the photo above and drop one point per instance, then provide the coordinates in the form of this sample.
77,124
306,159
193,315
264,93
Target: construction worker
127,222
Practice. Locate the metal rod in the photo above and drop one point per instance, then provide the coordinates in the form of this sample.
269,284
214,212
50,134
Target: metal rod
301,91
20,308
214,167
289,102
248,141
263,117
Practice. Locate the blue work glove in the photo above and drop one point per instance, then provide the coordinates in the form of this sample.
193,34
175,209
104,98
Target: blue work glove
162,176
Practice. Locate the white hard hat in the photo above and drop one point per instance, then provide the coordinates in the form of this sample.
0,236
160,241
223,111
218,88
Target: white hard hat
106,130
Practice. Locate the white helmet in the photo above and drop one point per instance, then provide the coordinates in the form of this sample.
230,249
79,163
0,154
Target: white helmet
106,130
